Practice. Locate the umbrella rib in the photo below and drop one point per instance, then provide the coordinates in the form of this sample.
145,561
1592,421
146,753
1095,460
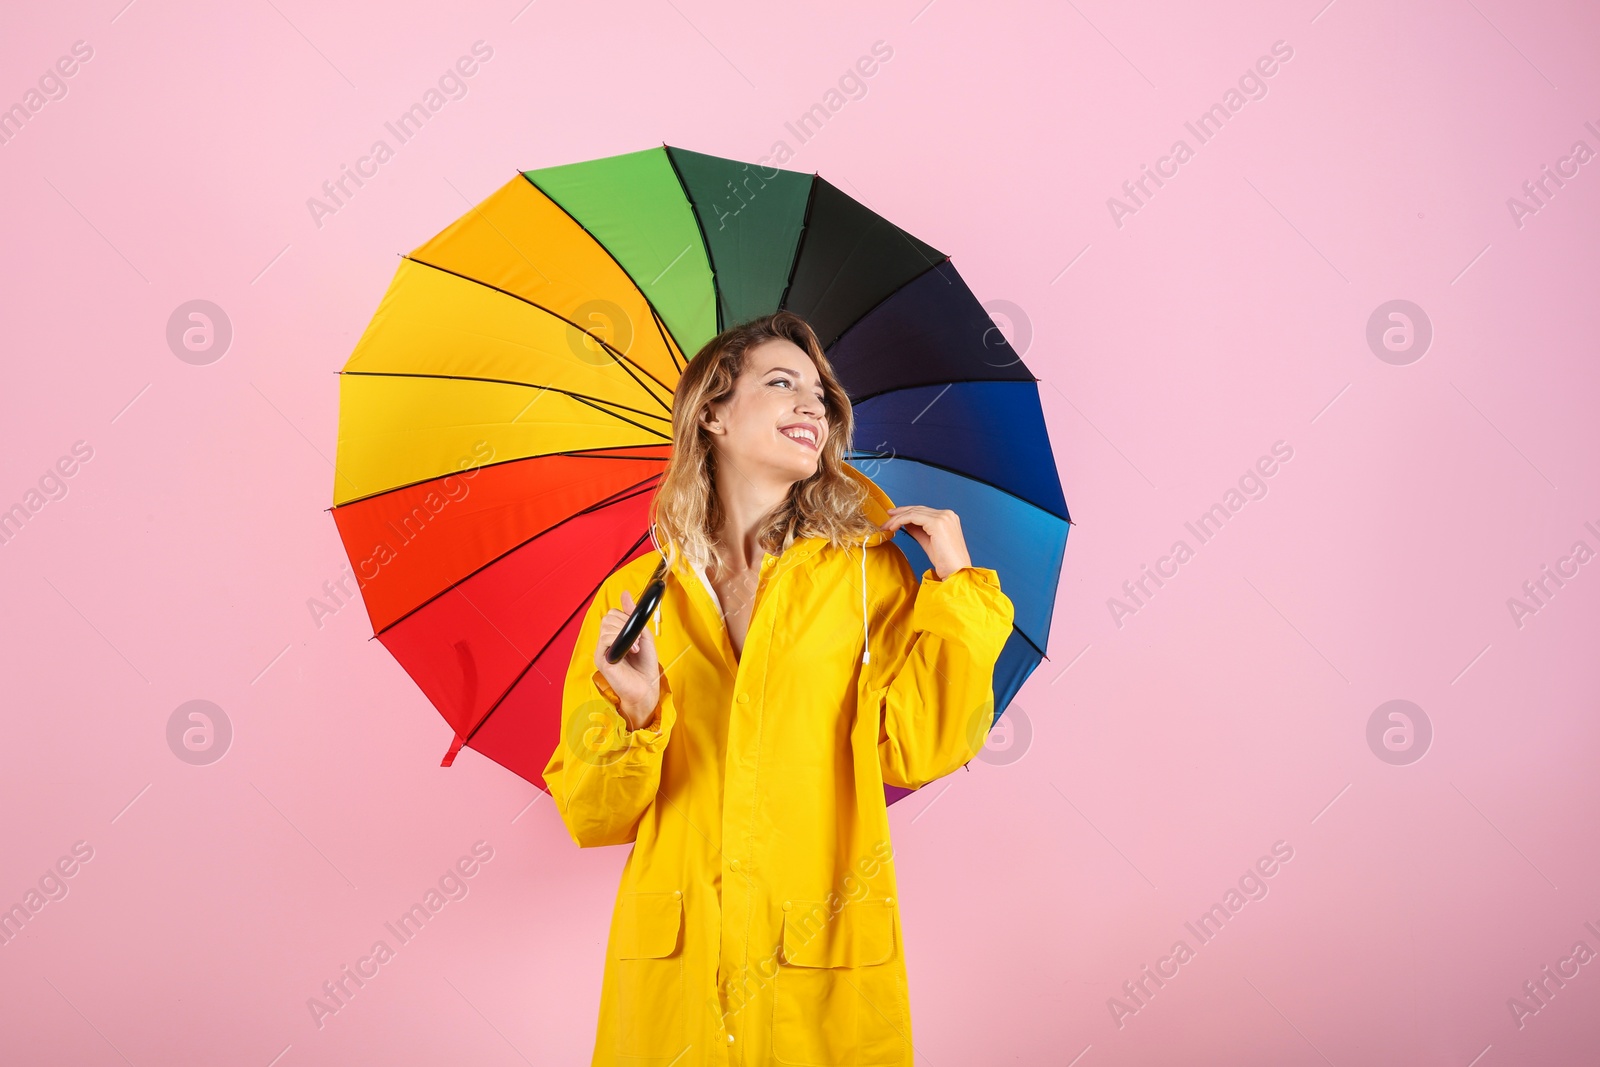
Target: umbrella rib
661,325
705,244
626,493
596,404
672,346
968,476
584,453
800,242
864,397
592,401
1031,642
889,296
582,606
805,226
628,365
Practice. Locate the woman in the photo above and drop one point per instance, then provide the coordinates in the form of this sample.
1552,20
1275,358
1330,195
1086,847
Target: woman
794,666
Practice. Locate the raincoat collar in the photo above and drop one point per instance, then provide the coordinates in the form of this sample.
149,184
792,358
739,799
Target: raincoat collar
875,507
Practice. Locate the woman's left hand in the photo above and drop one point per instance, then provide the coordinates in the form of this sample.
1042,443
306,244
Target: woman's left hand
938,532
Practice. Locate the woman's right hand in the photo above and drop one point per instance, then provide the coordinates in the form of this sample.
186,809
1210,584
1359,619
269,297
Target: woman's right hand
636,677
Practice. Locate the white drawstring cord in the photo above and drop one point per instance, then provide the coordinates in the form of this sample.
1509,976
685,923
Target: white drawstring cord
866,651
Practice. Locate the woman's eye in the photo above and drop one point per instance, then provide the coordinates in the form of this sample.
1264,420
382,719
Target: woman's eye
822,396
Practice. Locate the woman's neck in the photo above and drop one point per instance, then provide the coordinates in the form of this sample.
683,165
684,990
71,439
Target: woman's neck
747,504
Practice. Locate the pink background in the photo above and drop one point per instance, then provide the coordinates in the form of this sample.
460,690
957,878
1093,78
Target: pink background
1166,754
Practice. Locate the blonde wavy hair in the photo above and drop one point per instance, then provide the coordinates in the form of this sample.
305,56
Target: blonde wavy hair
685,507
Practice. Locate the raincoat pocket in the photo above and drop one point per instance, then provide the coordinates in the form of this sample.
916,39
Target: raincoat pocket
649,974
837,998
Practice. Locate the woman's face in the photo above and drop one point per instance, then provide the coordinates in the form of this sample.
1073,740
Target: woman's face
762,426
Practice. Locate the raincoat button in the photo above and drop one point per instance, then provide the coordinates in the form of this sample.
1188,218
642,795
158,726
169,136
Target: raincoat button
730,1039
733,865
788,904
676,893
888,900
744,698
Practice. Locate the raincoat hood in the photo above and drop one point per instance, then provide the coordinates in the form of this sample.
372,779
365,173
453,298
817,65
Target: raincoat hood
876,507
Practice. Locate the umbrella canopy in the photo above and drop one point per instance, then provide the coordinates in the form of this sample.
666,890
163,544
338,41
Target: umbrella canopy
506,414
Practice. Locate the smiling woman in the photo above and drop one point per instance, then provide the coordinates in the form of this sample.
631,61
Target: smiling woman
737,412
743,743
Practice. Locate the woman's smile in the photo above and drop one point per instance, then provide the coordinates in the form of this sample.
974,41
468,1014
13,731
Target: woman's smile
804,434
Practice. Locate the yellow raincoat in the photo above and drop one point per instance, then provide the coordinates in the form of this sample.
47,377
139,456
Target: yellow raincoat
757,920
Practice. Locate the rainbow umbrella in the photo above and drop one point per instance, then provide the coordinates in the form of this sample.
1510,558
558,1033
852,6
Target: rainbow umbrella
506,414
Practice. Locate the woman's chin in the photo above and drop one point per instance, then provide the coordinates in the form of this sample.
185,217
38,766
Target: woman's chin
801,469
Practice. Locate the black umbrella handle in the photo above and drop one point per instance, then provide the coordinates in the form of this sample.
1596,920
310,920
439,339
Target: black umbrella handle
641,614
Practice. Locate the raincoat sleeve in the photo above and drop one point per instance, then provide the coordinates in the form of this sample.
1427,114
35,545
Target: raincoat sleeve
604,776
935,688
